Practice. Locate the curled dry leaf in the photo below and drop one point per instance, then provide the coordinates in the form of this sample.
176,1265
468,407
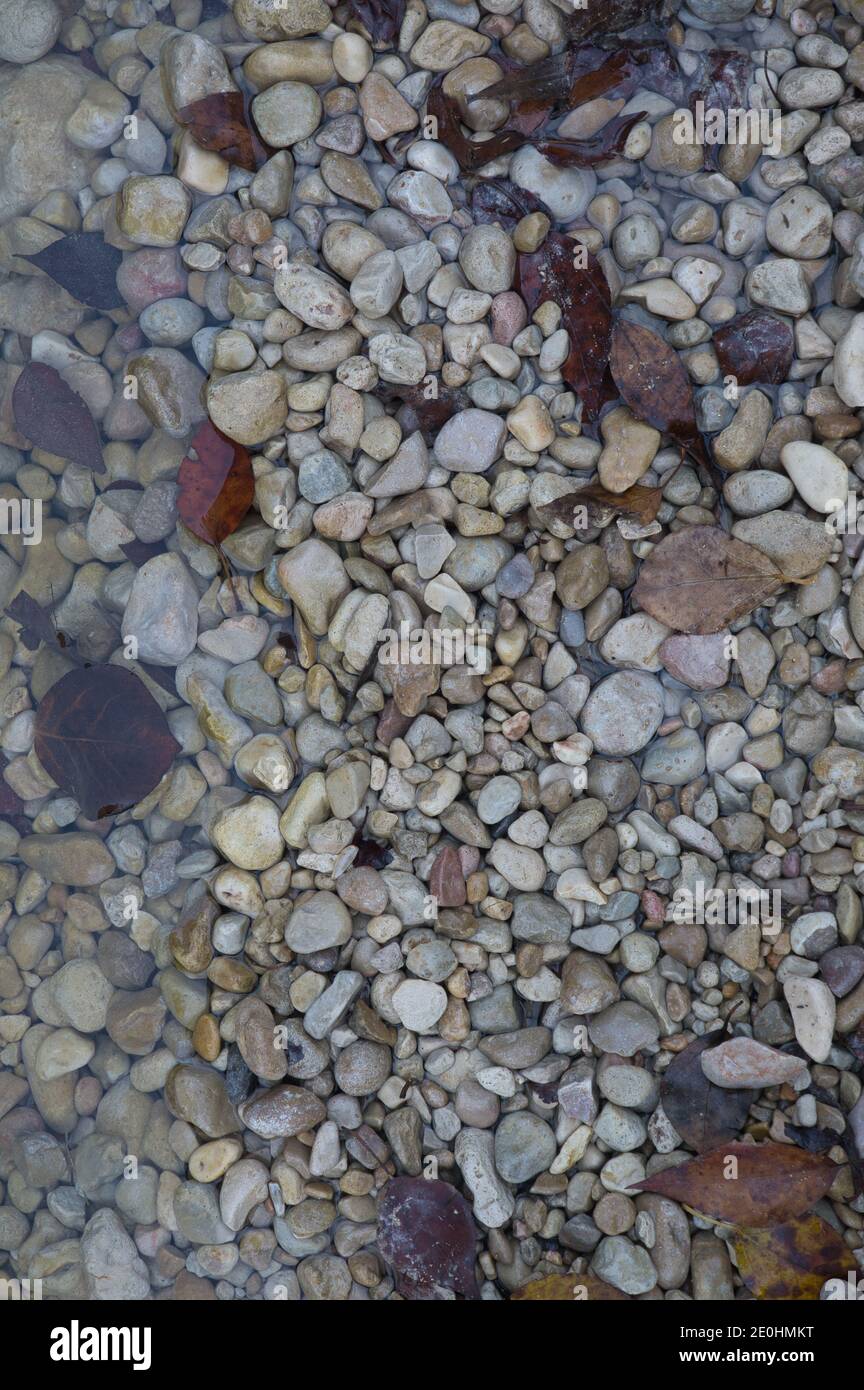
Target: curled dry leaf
216,488
792,1261
752,1185
85,265
103,738
569,1288
54,417
755,347
583,296
219,122
700,579
639,504
426,1232
704,1115
653,381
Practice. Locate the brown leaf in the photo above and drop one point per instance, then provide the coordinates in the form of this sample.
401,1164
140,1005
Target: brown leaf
584,299
614,16
382,19
85,265
426,1232
498,200
700,579
421,412
569,1288
587,71
103,738
584,154
639,504
219,122
653,381
704,1115
755,347
764,1186
36,623
792,1261
469,154
54,417
216,488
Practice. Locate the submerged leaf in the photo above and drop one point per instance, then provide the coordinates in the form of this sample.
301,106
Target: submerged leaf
54,417
587,71
584,299
639,504
85,265
498,200
426,1232
422,412
752,1185
654,383
614,16
382,19
216,488
755,346
36,623
219,122
700,579
103,738
569,1288
584,154
792,1261
704,1115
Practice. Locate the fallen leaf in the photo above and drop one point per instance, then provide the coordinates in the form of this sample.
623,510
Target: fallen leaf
614,17
720,82
498,200
219,123
216,488
764,1186
792,1261
382,19
639,504
36,622
139,552
103,738
815,1141
85,265
469,154
755,347
704,1115
421,412
569,1288
584,154
700,579
54,417
584,298
654,383
587,71
426,1232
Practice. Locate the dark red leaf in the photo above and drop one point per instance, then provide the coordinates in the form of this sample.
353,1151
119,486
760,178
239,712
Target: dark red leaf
470,155
382,19
704,1115
219,122
54,417
587,71
498,200
103,738
755,347
36,623
584,154
613,17
216,488
85,265
654,383
426,1232
425,413
583,295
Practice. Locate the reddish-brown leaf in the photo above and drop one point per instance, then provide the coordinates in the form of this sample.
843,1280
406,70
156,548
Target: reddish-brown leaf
54,417
792,1261
382,19
755,347
422,412
639,504
498,200
569,1288
85,265
614,17
426,1232
653,381
470,155
103,738
584,154
216,487
704,1115
700,579
751,1185
584,298
587,71
36,623
219,122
